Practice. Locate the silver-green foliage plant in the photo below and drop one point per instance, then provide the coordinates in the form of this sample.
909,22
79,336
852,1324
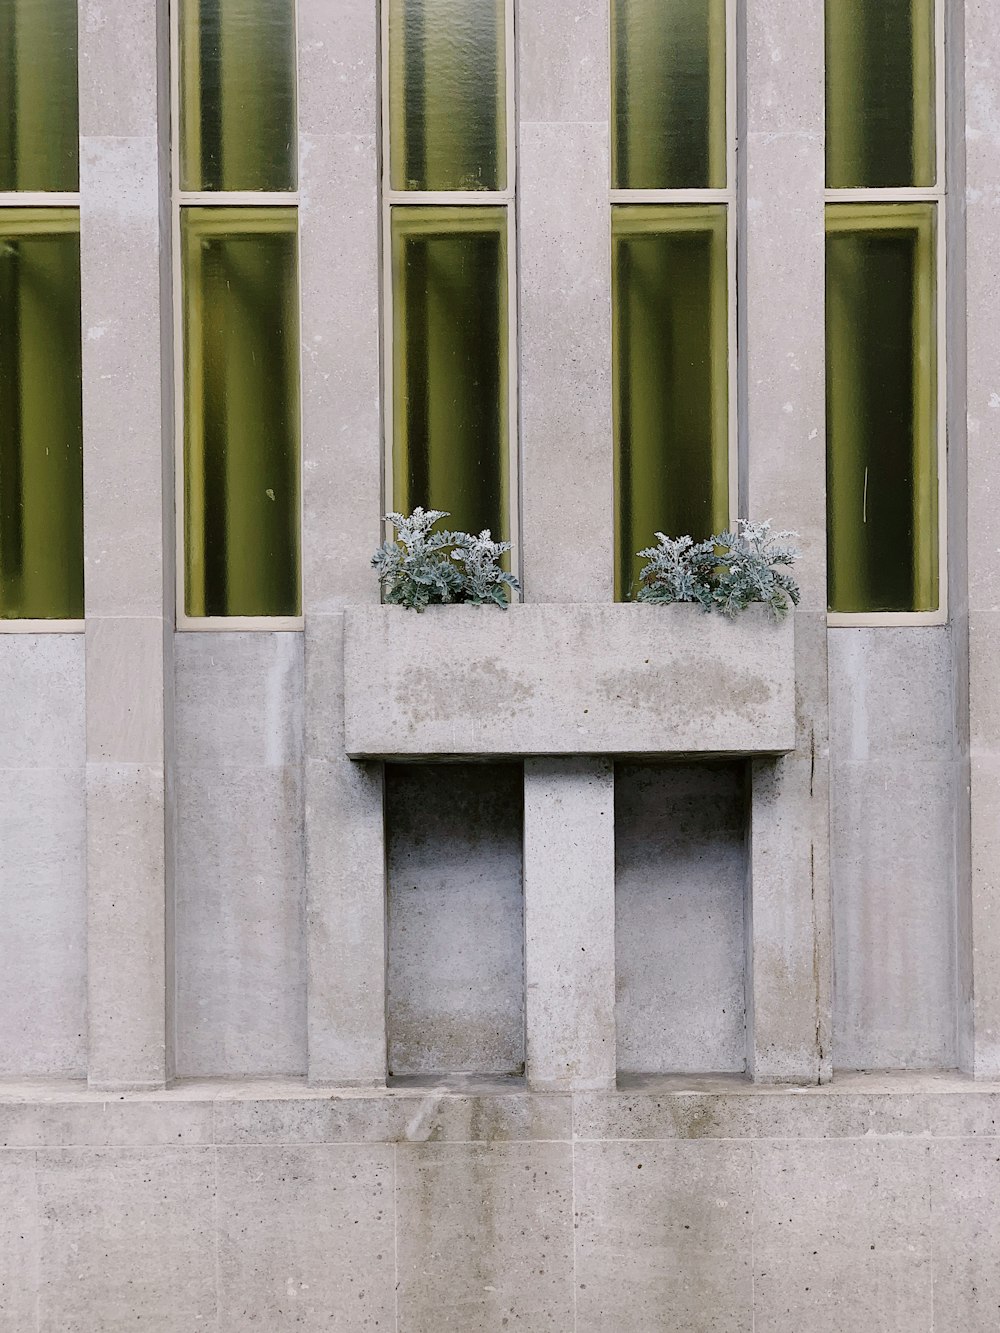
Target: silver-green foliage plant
727,573
423,567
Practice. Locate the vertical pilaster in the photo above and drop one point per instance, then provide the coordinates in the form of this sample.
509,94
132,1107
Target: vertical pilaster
565,318
128,496
782,318
342,501
979,915
569,922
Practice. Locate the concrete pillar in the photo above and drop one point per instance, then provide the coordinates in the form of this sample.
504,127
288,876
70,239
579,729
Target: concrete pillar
784,469
565,284
979,914
342,500
128,533
569,923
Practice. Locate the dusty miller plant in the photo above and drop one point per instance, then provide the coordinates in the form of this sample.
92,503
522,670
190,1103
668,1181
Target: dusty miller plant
727,573
427,568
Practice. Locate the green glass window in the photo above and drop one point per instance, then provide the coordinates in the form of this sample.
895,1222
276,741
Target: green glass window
450,364
668,72
671,377
237,95
39,128
447,95
882,455
880,100
41,428
241,412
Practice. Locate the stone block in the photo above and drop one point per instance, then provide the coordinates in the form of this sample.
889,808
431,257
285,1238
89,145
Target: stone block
663,1237
239,922
238,700
44,673
839,1229
569,926
562,679
127,1240
306,1238
893,856
485,1237
965,1237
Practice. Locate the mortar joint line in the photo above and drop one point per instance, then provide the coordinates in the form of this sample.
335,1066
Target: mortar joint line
395,1232
573,1224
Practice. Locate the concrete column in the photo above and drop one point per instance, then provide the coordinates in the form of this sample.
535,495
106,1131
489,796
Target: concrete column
782,376
342,500
565,292
979,914
127,420
569,922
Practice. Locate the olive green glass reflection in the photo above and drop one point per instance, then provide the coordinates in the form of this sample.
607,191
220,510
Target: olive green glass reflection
671,378
41,430
447,95
668,72
880,96
39,134
450,371
238,95
882,479
241,412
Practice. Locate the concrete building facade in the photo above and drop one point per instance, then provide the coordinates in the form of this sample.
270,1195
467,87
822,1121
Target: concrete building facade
584,966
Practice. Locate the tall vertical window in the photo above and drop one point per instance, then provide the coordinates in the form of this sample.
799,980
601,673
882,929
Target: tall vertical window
448,191
885,300
236,239
673,224
41,423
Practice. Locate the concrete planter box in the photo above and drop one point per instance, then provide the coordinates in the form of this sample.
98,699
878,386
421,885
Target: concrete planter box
556,680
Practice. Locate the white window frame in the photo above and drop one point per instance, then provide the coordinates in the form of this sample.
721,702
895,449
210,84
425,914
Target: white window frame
10,199
936,195
179,200
728,197
505,198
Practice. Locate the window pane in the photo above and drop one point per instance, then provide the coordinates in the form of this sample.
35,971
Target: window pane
668,70
241,412
880,93
450,385
41,428
671,378
39,134
238,95
882,482
447,95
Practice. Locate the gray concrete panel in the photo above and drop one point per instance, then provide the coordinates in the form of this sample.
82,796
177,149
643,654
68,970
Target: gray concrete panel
680,884
240,899
456,972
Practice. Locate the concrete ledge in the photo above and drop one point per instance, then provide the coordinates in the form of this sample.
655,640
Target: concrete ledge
475,682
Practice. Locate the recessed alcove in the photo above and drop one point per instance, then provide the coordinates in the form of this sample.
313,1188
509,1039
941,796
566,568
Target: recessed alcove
455,994
680,890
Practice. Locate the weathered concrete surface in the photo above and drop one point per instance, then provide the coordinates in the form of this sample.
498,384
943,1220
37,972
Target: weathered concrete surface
43,888
551,679
782,362
240,910
455,996
569,910
128,539
673,1205
680,886
894,795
